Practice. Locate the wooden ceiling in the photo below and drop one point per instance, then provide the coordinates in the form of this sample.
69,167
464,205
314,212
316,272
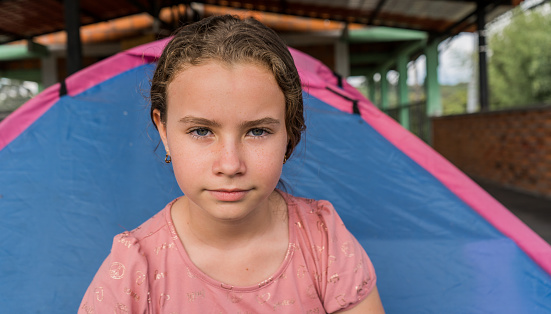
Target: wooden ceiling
26,19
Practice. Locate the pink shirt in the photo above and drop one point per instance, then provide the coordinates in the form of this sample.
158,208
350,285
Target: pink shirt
148,271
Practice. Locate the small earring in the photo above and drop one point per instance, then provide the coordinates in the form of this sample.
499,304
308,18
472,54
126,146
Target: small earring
168,159
284,159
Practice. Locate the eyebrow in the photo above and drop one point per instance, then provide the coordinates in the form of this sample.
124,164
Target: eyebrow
201,121
213,123
263,121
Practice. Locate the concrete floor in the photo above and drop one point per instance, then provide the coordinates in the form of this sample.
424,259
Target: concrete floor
532,210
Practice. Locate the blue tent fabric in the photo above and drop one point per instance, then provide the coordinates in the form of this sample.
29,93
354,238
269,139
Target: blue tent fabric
83,172
432,253
88,169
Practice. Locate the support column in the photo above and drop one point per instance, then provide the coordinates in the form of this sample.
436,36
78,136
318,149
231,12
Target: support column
48,71
156,10
472,92
403,95
342,56
482,62
384,90
72,26
371,87
432,87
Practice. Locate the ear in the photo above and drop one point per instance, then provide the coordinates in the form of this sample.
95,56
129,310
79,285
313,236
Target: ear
161,127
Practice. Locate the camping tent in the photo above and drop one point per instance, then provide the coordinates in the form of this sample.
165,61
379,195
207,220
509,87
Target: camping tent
78,164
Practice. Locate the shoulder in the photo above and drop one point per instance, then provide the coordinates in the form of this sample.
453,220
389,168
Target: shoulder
343,271
138,240
319,223
152,226
122,280
305,206
315,215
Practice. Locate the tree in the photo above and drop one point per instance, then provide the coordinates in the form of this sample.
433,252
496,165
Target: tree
454,98
520,60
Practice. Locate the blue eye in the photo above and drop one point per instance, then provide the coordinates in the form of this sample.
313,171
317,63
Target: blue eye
257,132
200,132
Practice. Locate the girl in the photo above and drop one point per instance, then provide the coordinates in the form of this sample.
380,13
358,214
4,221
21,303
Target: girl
227,102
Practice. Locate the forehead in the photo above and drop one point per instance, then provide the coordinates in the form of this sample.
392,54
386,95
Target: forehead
245,87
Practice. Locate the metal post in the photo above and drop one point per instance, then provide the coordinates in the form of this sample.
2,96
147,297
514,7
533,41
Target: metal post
49,70
342,55
384,90
483,66
432,86
72,27
371,87
403,93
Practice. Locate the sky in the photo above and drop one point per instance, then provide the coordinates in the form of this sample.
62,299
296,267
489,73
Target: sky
455,59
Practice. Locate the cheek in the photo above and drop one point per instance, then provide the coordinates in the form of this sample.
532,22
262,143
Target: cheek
268,162
187,170
186,161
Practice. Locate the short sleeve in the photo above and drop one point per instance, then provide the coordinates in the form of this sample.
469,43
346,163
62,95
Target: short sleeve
348,275
121,283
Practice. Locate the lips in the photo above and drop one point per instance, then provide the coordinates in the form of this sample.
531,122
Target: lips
233,195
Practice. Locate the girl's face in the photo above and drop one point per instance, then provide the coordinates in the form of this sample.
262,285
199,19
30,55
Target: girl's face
225,131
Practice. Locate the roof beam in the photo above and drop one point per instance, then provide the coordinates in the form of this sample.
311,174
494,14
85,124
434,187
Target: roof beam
405,50
375,12
336,14
9,34
363,58
138,5
155,6
463,23
83,11
385,34
384,61
18,52
283,5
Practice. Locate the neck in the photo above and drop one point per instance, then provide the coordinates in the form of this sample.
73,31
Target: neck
231,234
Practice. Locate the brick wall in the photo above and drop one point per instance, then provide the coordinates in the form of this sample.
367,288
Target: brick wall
511,148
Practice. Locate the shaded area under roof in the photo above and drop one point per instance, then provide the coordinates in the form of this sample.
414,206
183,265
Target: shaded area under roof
25,19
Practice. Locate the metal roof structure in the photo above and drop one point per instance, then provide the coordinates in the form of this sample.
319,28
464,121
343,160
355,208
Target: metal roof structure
427,21
25,19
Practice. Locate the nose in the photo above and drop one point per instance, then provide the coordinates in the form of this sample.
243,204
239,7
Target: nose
229,161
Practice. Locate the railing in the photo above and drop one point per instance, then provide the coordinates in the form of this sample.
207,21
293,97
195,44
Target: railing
13,94
419,123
